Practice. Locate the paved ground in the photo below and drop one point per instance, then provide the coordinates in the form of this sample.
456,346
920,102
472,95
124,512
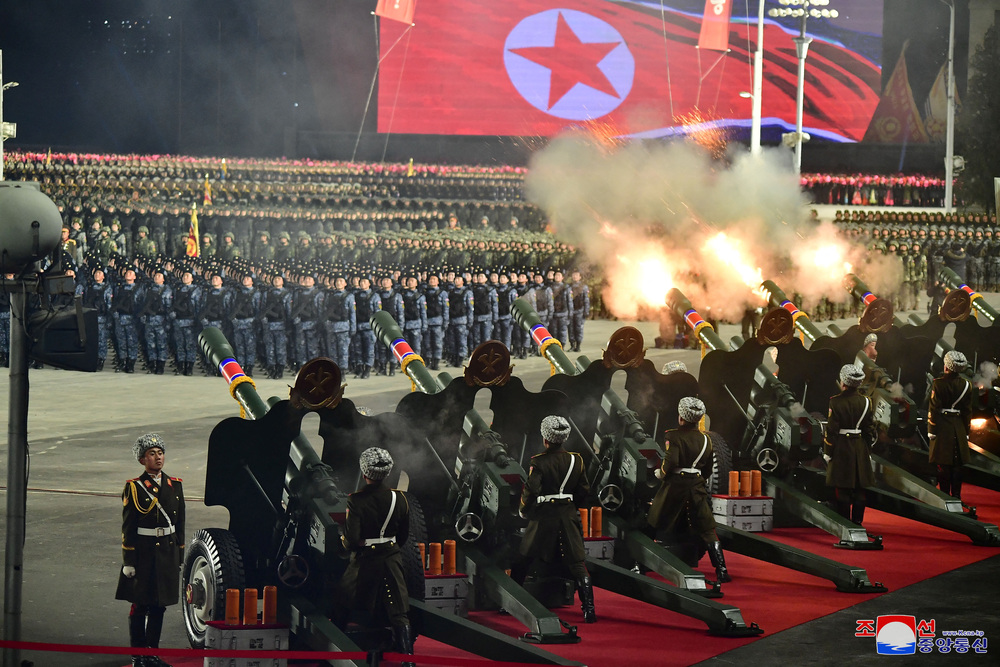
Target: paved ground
81,429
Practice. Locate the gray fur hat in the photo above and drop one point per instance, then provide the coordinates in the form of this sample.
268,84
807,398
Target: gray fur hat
955,361
870,338
555,429
674,366
146,442
375,463
851,375
690,409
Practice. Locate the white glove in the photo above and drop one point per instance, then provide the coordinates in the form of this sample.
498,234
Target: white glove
659,473
128,571
826,457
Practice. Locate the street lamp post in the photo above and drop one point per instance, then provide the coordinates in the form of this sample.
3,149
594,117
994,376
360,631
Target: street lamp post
802,9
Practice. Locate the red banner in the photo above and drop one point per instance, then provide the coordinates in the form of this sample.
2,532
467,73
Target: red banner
397,10
536,67
896,119
715,25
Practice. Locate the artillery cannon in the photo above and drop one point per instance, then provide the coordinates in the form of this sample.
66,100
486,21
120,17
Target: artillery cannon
900,491
620,458
777,436
984,468
484,481
287,507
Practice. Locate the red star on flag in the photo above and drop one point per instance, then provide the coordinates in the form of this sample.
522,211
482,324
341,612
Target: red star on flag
570,62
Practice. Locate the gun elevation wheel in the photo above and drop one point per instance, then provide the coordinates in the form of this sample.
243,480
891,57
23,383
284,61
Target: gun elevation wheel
211,565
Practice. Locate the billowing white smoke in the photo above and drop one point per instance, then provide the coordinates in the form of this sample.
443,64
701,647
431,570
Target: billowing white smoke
646,205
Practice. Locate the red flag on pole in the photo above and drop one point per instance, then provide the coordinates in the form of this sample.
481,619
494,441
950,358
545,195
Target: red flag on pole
715,25
896,119
397,10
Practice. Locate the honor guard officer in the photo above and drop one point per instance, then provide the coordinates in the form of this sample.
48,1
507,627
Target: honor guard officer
948,417
850,434
556,485
152,546
683,496
377,524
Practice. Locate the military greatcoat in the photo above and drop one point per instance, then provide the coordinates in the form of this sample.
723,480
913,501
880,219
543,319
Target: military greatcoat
682,490
850,433
948,419
554,520
152,540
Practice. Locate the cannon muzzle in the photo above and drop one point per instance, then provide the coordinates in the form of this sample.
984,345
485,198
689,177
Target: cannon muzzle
219,353
548,346
777,299
705,332
389,333
952,281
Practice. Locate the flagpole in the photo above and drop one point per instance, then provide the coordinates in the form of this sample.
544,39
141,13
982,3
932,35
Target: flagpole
949,157
758,77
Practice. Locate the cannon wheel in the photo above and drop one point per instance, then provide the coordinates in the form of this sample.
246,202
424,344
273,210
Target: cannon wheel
413,567
721,465
211,565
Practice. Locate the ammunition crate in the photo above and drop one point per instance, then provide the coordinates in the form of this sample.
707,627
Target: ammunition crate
599,548
246,637
742,505
448,592
751,524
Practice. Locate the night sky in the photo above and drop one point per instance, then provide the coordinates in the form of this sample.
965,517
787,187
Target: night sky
227,77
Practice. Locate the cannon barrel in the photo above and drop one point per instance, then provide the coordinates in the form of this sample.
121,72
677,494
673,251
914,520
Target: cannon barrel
219,353
387,331
777,299
548,346
705,332
952,281
860,291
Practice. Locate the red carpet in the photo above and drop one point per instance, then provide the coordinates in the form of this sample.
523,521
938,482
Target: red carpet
635,633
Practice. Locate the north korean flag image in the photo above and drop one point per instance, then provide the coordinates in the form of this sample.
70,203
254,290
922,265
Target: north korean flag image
538,67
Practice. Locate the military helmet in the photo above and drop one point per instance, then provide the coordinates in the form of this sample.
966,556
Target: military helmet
144,229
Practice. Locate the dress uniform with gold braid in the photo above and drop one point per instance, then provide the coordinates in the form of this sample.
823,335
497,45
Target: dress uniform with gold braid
152,550
556,484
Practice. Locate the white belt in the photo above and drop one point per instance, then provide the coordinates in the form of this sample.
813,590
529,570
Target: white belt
850,431
156,532
693,471
554,497
950,411
379,540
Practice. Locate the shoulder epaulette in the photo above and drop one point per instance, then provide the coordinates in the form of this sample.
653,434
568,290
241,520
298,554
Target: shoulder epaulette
176,479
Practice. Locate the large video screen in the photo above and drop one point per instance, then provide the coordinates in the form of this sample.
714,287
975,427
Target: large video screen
624,68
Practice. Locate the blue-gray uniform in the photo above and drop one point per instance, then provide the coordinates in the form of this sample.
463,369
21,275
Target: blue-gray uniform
5,329
392,303
414,318
244,309
485,307
505,298
212,310
579,311
436,301
520,338
156,300
124,303
367,302
460,311
182,315
96,295
561,306
541,296
340,322
305,311
274,314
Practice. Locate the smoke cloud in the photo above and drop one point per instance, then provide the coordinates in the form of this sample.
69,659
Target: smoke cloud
646,213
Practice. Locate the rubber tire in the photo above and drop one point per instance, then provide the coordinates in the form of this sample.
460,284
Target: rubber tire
215,553
413,567
718,482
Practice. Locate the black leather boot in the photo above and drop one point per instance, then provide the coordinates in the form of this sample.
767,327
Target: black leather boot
586,592
403,637
160,365
718,562
100,364
365,372
392,368
249,370
130,365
